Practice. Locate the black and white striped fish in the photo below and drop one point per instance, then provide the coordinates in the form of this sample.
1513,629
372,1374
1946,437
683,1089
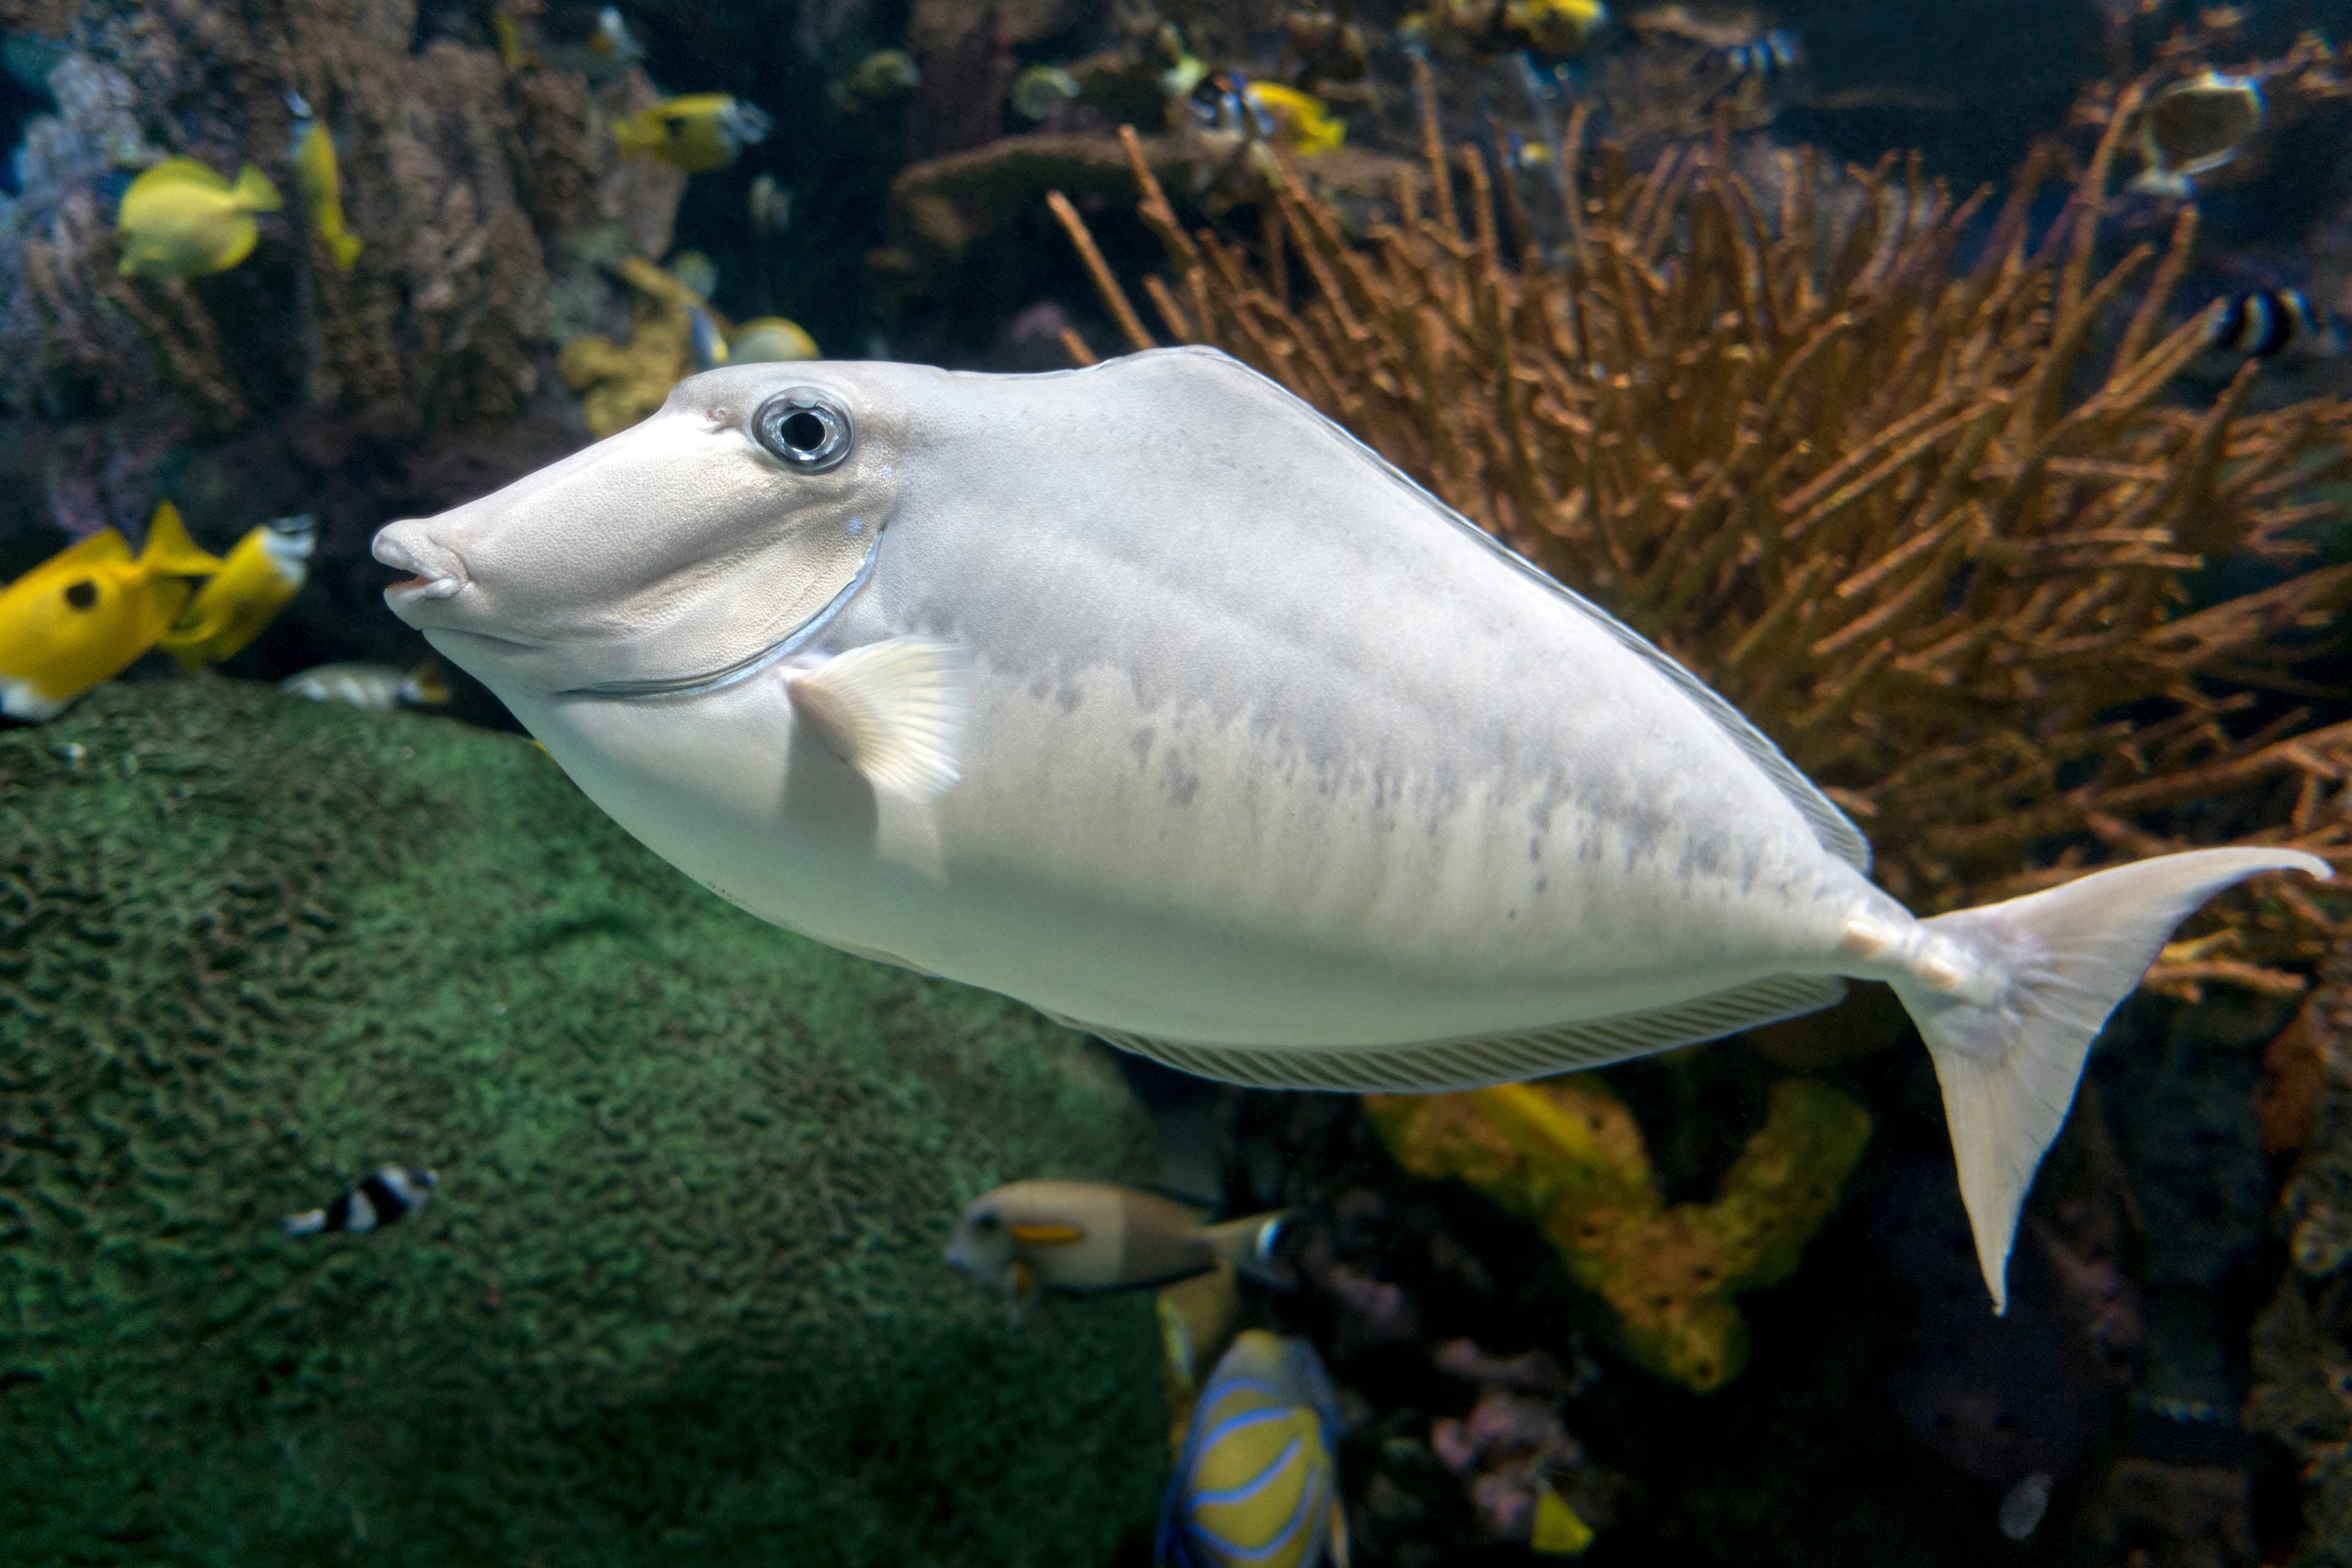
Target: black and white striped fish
1764,57
387,1197
2269,324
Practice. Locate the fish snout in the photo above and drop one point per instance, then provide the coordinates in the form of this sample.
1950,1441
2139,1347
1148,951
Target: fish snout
434,572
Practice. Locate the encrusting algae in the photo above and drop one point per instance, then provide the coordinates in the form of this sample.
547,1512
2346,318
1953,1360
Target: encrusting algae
1566,1153
1881,500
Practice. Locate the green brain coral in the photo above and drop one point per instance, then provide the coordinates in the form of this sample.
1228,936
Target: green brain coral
679,1298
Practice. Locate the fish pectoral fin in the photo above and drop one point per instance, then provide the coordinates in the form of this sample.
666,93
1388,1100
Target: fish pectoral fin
1047,1234
894,710
1472,1062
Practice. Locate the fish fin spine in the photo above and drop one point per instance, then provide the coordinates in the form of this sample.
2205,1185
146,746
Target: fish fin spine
254,189
2009,1041
894,710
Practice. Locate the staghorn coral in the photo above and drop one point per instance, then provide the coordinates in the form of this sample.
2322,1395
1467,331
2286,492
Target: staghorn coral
1887,501
1566,1153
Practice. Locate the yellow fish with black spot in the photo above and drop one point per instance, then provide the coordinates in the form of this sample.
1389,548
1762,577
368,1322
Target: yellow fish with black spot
322,185
82,616
258,577
1257,1482
179,219
701,130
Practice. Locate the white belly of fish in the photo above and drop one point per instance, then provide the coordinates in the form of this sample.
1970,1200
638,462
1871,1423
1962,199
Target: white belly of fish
1163,874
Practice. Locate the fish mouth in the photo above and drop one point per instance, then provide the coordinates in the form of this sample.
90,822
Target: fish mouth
425,582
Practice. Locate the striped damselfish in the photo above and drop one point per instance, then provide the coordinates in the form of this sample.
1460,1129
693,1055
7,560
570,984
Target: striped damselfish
1257,1480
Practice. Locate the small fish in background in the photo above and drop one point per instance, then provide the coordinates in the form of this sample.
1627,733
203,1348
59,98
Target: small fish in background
313,157
771,206
1083,1237
700,131
593,42
1301,122
1559,1530
179,219
1555,26
387,1197
1043,92
703,339
378,688
2194,127
885,73
1763,57
2022,1509
2271,324
258,577
83,616
1257,1480
1197,1317
770,338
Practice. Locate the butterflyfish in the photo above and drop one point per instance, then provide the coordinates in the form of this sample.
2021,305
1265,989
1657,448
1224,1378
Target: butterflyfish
386,1197
701,130
1084,1237
2193,127
257,578
1233,746
1256,1482
379,688
83,615
179,219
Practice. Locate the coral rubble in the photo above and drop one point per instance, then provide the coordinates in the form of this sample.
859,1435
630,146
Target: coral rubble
1566,1153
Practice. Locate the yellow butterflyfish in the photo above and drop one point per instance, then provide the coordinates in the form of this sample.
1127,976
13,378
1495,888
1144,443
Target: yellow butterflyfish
314,170
701,130
82,616
257,578
180,219
770,338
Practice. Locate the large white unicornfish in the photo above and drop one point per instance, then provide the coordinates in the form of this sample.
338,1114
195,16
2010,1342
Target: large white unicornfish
1145,694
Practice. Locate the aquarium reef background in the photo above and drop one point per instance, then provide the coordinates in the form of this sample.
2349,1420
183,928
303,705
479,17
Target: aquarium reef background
1960,390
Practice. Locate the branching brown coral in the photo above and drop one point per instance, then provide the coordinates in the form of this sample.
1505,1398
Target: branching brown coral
1930,523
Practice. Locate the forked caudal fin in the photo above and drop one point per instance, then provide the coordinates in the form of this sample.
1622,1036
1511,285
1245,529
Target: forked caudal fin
2009,1041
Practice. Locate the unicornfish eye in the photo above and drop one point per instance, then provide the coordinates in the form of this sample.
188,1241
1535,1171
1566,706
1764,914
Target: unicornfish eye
806,428
81,595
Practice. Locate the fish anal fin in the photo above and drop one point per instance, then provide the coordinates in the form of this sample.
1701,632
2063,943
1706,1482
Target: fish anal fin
1047,1234
894,710
1474,1061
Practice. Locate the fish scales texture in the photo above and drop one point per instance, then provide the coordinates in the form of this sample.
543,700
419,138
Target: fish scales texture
1258,758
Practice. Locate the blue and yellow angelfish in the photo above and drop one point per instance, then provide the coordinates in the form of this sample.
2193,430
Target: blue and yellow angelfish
1258,1482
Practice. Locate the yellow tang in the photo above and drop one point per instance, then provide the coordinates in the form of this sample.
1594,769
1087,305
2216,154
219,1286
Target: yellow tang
1256,1483
261,574
82,615
314,168
701,130
179,219
1305,123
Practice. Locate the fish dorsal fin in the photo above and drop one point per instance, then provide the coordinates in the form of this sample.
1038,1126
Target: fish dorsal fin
1830,825
170,551
1433,1066
184,172
105,548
